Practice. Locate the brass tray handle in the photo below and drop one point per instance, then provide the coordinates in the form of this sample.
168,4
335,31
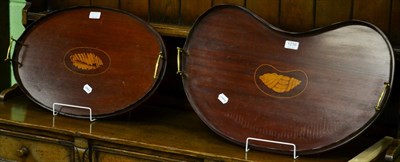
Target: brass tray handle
10,46
383,94
160,56
178,60
9,49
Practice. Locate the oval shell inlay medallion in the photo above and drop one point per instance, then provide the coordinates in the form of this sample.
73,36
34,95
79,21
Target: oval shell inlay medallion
87,60
278,83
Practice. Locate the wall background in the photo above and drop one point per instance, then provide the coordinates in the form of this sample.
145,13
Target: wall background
16,27
4,41
291,15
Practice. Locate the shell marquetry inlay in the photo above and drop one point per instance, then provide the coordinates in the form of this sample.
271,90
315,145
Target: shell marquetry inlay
278,83
87,60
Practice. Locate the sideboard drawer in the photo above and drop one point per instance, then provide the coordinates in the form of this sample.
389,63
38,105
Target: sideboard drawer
15,146
102,153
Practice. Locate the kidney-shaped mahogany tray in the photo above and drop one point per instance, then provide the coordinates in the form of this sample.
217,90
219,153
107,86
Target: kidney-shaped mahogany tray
87,58
316,90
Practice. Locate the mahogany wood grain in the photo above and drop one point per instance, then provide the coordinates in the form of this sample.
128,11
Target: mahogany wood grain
108,64
329,12
297,15
376,12
267,9
342,68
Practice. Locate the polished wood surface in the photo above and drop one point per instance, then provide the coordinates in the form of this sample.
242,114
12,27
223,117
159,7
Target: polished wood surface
109,64
27,147
157,133
293,15
317,95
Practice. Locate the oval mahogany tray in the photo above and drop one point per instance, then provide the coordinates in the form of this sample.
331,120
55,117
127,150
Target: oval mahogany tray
103,59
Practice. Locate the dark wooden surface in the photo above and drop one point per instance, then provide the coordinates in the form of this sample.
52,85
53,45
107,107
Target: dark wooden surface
173,130
128,49
267,9
191,13
292,15
297,13
394,34
374,11
328,12
138,8
342,70
164,11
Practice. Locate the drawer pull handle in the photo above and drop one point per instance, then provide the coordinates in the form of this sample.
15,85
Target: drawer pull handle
23,151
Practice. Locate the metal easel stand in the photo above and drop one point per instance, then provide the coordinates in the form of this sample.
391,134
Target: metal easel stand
90,125
247,149
73,106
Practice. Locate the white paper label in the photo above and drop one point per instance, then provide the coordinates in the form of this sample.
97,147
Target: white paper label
94,15
223,98
87,88
292,45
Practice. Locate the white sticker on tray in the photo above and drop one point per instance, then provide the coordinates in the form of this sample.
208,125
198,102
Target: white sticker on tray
222,97
87,88
94,15
291,45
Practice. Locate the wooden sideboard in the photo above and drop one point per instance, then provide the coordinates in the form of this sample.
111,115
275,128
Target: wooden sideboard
151,133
